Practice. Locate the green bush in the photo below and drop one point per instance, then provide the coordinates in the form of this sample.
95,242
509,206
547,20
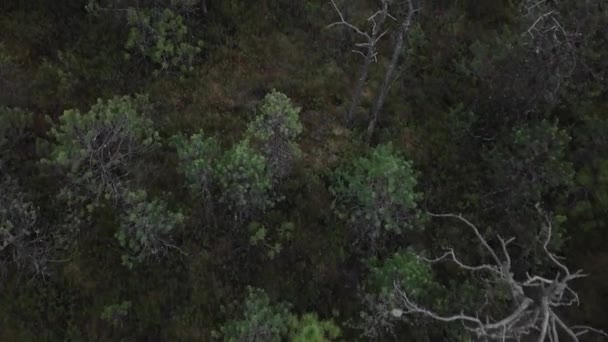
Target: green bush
145,228
244,181
274,131
530,162
239,174
404,268
116,314
376,194
261,321
97,150
529,165
198,158
309,329
162,37
264,321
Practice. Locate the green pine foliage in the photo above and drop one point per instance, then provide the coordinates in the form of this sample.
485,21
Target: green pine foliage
309,329
240,174
244,181
376,194
198,162
146,228
115,314
409,272
97,150
161,36
261,320
531,162
274,132
145,218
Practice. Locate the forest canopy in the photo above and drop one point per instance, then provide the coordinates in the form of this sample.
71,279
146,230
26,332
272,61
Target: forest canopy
323,170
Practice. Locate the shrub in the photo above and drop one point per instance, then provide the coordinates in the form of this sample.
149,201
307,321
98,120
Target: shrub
244,181
145,228
162,37
98,149
274,131
198,158
376,194
116,314
261,321
264,321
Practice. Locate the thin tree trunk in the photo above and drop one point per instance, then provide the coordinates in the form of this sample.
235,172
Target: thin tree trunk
388,76
356,99
369,58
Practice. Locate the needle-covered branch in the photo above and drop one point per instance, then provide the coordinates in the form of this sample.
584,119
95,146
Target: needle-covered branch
98,149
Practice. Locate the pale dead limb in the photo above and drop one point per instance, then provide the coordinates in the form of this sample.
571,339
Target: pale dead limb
530,315
368,46
545,34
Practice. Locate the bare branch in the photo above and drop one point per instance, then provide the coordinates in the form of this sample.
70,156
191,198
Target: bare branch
548,231
545,325
537,21
359,52
530,316
371,40
564,327
453,258
481,239
585,329
345,23
504,245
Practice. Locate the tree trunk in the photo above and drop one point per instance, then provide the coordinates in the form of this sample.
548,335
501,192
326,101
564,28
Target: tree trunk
388,76
369,58
356,99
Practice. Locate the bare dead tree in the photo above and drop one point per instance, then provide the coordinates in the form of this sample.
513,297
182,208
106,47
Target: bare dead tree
370,53
389,76
535,299
551,43
24,246
543,15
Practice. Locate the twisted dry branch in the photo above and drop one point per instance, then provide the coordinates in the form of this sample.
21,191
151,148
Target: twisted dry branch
530,315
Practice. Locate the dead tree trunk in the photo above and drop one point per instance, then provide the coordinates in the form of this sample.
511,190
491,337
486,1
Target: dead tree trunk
388,76
357,93
370,54
369,58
